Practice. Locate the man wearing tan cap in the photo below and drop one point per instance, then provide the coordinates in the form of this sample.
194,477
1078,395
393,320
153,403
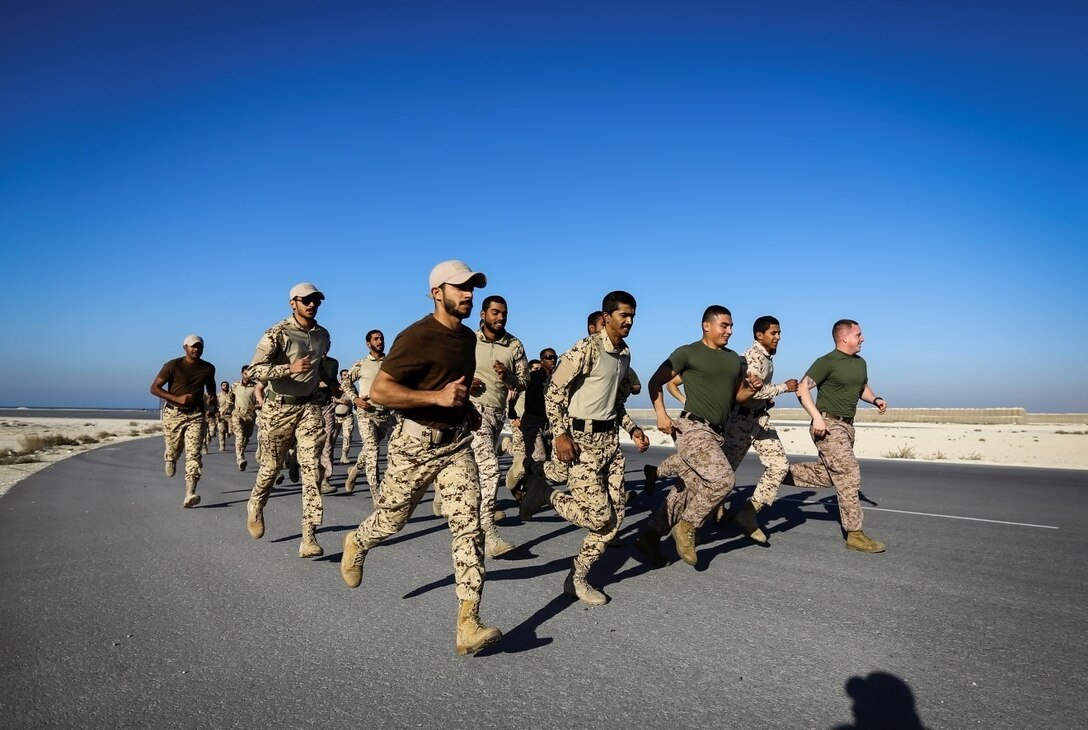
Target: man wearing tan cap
186,379
426,376
289,357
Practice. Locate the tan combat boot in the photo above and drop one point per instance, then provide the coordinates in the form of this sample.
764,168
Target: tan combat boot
171,468
192,499
494,545
683,534
351,562
255,520
242,465
471,634
576,586
349,485
436,503
650,473
649,544
747,522
327,487
309,548
858,540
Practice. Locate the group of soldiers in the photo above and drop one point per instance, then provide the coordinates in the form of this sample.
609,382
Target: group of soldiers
442,396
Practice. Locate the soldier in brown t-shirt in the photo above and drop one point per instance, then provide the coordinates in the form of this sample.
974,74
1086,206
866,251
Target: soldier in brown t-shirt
426,377
186,380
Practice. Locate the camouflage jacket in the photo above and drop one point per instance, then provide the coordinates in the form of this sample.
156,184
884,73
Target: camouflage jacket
574,366
760,362
282,344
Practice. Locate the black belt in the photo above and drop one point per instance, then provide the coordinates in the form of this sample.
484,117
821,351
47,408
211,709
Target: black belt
699,419
838,418
191,409
751,411
294,400
591,426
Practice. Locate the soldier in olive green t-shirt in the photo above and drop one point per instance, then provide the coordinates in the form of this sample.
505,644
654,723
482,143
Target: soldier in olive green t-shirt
841,379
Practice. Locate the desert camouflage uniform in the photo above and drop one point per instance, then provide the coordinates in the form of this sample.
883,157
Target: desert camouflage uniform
180,427
243,417
211,419
596,497
373,424
414,463
345,422
291,414
750,425
707,477
225,402
327,402
837,467
491,404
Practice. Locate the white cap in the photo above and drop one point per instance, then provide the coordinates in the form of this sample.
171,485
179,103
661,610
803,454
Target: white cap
304,289
193,340
457,273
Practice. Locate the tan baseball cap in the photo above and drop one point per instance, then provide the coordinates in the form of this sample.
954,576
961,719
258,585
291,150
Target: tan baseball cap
193,340
305,289
457,273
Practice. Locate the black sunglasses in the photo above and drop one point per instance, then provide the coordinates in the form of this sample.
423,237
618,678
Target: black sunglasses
311,300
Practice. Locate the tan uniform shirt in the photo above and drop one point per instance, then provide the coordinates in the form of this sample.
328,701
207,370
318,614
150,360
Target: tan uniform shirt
282,344
760,362
591,382
509,351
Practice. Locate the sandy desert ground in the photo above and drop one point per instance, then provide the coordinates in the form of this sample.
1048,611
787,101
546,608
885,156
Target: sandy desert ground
1025,445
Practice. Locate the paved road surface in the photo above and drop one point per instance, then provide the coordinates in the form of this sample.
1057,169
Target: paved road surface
120,609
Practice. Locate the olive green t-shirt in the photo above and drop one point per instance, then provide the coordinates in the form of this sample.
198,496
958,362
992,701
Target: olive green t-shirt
840,380
710,379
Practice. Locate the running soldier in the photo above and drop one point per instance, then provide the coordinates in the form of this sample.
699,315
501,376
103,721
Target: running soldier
426,378
186,379
714,379
841,377
244,416
224,407
500,367
374,419
328,390
345,417
289,357
585,404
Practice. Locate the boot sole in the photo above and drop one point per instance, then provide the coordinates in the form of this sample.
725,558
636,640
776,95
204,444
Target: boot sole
863,550
348,573
191,502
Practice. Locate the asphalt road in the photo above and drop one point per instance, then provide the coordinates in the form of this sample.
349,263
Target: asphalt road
118,608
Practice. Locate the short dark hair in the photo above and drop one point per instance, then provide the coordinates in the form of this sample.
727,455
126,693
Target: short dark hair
225,383
592,317
491,299
842,324
371,333
614,299
763,324
547,349
531,362
714,310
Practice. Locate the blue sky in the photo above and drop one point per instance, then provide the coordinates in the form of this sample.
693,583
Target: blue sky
168,168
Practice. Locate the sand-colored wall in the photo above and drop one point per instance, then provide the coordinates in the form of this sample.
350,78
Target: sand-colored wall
947,415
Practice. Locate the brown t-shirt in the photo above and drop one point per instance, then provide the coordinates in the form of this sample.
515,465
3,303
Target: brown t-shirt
429,356
183,379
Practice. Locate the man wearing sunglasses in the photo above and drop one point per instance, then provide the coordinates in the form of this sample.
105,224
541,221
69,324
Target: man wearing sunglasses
182,383
289,357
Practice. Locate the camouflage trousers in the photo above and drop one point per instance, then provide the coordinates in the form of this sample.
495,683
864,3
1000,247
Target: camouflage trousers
242,426
185,430
837,467
346,424
373,427
328,416
485,443
517,444
413,465
537,437
705,475
281,427
596,497
742,432
222,424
